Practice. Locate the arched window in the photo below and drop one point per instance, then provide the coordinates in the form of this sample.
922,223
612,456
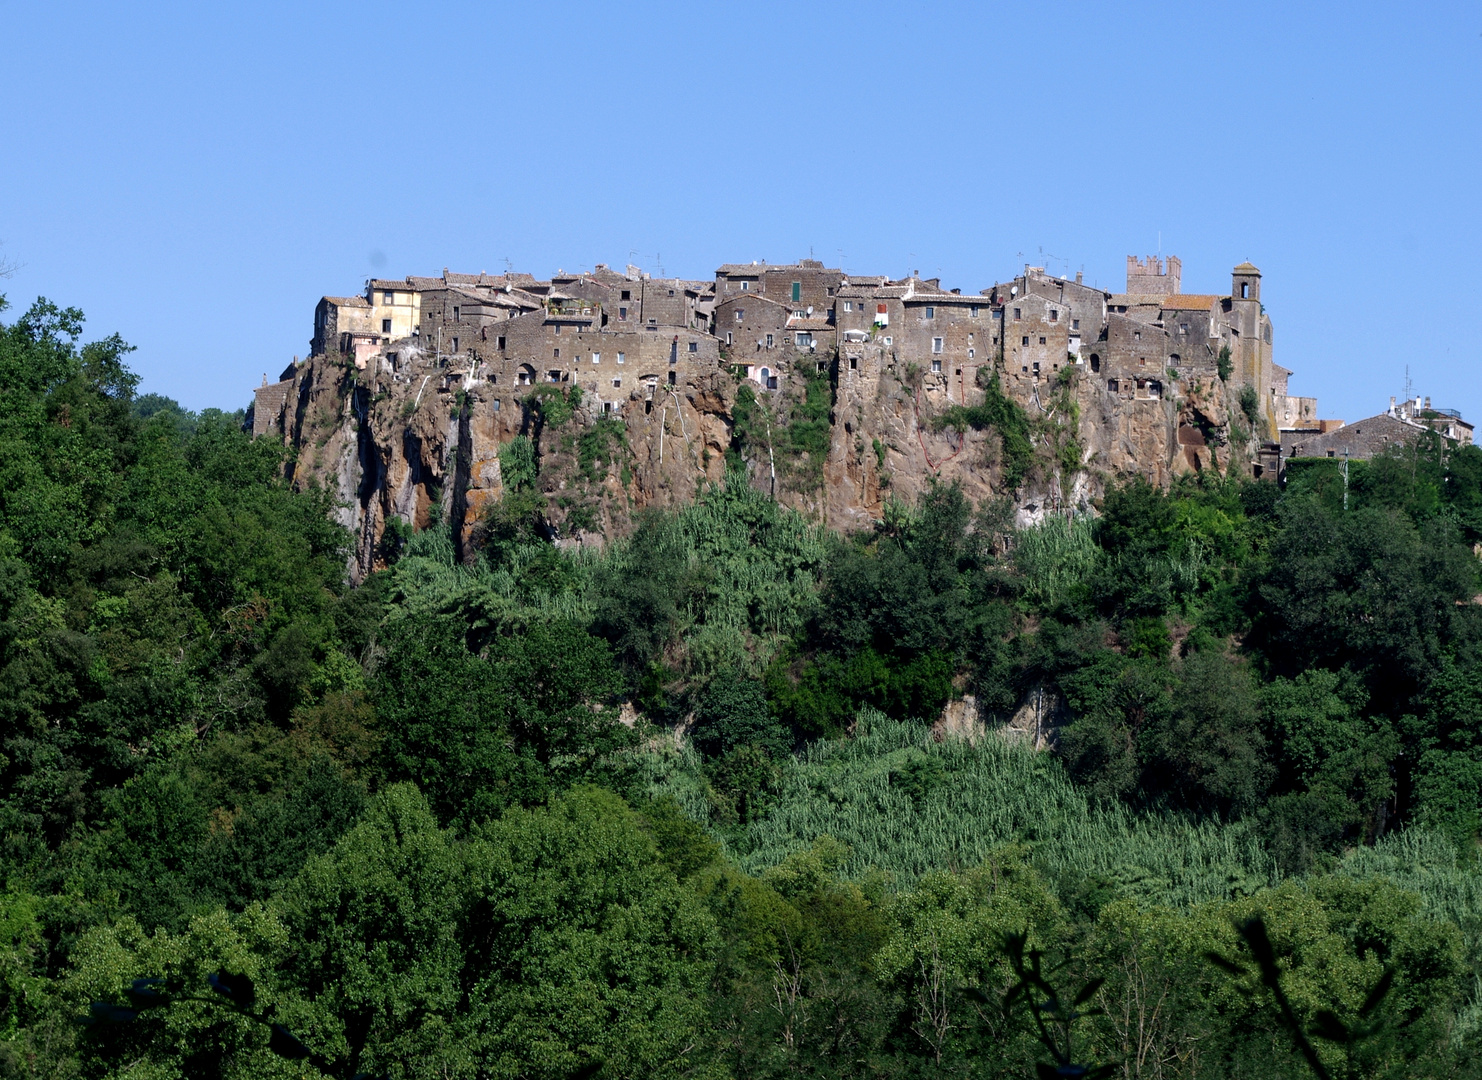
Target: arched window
1245,290
1095,362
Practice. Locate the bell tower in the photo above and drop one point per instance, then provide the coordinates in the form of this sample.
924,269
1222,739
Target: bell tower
1245,282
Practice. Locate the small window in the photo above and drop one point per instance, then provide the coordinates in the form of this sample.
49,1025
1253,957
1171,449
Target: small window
973,311
889,340
622,357
936,346
626,295
622,314
769,341
556,354
496,404
388,298
673,377
931,313
1095,362
797,291
1036,367
848,305
1026,341
740,314
501,343
1017,314
853,363
1041,340
1113,385
804,340
1245,290
1054,315
1137,335
671,292
553,376
1332,453
971,354
746,286
385,326
1075,324
728,337
694,346
596,358
455,345
936,365
617,384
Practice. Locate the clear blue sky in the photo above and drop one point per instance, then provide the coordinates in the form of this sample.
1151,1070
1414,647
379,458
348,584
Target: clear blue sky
196,176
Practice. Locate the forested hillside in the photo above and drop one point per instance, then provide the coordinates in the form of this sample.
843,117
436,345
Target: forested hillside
680,806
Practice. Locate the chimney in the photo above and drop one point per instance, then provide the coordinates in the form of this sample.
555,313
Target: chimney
1079,278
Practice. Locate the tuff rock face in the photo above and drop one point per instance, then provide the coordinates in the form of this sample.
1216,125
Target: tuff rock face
425,444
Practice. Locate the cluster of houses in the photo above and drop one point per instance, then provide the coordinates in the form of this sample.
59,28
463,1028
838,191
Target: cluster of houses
624,335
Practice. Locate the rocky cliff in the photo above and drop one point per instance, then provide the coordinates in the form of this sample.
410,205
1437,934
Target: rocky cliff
837,441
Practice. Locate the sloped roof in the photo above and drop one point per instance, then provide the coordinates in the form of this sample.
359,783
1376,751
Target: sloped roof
1246,268
1191,301
348,301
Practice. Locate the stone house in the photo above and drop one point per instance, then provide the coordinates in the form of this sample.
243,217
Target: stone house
802,285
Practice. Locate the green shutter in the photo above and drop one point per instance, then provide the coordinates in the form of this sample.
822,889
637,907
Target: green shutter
797,290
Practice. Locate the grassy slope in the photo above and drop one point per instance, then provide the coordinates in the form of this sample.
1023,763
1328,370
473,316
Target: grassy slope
995,793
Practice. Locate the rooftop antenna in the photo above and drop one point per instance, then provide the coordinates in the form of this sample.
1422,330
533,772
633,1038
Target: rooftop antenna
509,267
1409,386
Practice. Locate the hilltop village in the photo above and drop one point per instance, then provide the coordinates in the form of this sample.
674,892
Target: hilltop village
1038,388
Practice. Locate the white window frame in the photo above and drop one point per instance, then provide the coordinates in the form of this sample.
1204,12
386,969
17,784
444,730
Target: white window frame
936,345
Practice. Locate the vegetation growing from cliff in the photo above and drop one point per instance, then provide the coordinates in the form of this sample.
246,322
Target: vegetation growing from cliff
410,810
1224,365
790,432
1005,417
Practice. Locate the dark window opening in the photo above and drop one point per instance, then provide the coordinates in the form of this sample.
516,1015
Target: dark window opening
1095,362
385,326
626,295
